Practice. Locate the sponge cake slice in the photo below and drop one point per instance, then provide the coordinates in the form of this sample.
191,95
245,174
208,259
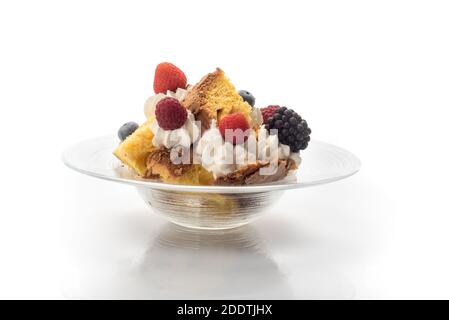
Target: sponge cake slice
213,98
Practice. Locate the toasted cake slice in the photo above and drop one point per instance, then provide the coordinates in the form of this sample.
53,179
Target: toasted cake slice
214,97
159,166
136,148
251,174
210,99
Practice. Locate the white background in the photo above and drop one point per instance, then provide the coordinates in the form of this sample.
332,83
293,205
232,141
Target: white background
370,76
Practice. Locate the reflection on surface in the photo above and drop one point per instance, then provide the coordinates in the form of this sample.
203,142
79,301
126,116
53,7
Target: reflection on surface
185,263
122,262
313,244
175,263
302,250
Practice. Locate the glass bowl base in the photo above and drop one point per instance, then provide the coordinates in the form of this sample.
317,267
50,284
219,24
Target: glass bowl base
200,210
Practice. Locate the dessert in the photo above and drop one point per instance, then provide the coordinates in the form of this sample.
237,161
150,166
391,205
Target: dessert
210,133
213,98
136,148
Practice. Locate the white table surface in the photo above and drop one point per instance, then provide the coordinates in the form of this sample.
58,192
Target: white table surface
298,250
334,241
369,76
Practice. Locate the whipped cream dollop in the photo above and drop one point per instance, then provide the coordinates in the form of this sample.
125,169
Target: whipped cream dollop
269,149
216,155
221,157
256,118
184,136
150,104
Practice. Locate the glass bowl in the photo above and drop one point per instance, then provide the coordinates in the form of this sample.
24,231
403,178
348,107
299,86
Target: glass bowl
211,207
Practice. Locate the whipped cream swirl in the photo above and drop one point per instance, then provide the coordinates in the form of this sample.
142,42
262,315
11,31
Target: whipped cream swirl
184,136
150,104
221,157
269,149
216,155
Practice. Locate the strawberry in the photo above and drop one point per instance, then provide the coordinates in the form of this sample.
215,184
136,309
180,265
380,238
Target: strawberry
268,112
168,77
233,122
170,114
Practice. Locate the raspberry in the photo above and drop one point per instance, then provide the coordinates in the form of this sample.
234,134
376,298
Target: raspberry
292,129
233,122
168,77
170,114
268,112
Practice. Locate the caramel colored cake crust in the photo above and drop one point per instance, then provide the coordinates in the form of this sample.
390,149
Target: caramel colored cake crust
218,106
196,100
159,163
160,166
251,174
213,98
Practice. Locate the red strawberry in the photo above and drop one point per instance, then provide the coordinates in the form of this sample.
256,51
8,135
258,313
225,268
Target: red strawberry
170,114
268,112
168,77
232,122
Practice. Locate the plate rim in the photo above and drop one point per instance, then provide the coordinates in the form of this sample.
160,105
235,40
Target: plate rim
158,185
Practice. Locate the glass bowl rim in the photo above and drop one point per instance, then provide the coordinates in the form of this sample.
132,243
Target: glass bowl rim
154,184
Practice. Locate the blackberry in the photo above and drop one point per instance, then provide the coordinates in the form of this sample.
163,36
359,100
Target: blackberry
292,129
